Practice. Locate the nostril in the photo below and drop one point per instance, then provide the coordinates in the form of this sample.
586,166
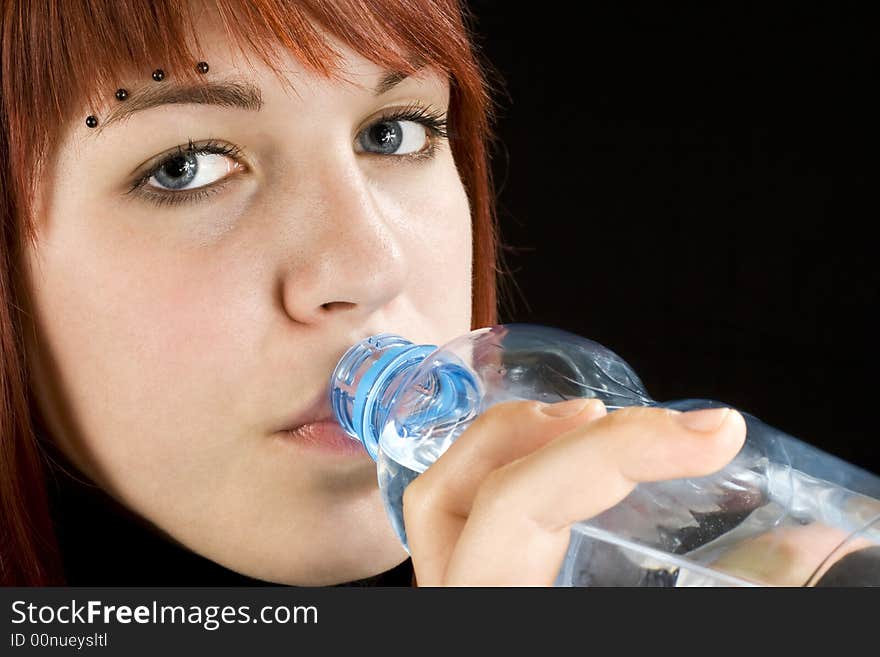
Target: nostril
337,305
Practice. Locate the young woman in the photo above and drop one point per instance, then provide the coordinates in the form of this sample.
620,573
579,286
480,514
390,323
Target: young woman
204,205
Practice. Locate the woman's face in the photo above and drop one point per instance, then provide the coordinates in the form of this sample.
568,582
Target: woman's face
172,340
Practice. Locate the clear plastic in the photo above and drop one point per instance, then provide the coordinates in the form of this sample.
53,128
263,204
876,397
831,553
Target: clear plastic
782,513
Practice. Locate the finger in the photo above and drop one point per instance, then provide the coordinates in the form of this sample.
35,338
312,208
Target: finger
524,509
437,503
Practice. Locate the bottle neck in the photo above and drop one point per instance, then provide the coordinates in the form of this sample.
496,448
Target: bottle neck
366,382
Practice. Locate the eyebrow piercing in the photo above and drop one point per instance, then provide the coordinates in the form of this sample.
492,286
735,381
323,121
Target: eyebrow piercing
122,94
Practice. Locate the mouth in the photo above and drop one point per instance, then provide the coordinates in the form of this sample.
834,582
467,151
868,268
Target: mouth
325,436
321,433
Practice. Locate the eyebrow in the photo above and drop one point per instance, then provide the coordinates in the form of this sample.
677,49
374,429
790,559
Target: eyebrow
239,94
393,78
233,93
390,80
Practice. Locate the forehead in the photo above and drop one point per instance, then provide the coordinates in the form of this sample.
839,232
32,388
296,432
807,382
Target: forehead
349,72
227,61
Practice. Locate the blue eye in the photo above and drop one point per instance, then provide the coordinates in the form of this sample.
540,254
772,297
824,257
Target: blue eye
189,174
395,138
191,170
413,131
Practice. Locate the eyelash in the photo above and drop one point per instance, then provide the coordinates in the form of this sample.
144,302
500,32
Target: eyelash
160,198
433,120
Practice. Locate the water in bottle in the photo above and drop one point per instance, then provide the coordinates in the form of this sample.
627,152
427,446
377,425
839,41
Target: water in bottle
781,513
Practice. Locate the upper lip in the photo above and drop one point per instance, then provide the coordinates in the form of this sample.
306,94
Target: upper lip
318,411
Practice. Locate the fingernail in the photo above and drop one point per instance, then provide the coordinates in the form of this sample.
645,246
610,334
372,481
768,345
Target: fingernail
706,419
566,408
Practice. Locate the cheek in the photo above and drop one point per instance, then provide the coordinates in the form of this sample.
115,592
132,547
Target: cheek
432,211
451,248
147,347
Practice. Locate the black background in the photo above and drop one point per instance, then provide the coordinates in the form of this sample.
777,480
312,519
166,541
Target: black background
694,189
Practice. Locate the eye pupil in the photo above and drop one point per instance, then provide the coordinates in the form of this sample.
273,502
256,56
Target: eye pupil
178,166
178,171
384,133
386,136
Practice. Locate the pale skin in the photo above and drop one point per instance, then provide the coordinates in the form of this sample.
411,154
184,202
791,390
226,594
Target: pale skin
170,343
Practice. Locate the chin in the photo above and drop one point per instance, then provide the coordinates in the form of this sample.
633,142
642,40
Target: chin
350,540
329,572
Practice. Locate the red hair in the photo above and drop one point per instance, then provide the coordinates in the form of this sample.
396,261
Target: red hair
59,56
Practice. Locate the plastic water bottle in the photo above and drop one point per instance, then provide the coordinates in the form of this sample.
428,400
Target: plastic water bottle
781,513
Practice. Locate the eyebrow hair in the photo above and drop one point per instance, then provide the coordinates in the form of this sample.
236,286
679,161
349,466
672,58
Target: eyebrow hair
240,94
393,78
232,93
390,80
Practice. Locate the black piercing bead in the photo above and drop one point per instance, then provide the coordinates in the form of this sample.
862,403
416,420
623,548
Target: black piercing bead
91,121
202,67
158,75
121,94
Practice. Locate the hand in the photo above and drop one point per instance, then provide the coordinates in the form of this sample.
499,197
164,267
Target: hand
496,508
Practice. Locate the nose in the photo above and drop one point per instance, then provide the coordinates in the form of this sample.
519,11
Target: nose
350,262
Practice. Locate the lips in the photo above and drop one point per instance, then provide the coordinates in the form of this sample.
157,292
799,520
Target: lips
327,436
318,411
317,428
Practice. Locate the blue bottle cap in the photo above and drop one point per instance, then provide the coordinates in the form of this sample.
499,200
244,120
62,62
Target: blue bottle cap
372,384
